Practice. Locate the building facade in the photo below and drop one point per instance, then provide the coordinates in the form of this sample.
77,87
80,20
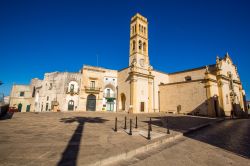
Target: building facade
213,90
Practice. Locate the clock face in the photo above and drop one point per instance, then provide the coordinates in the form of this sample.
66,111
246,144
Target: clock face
142,62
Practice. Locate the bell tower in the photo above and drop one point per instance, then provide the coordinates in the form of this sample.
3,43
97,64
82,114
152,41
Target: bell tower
141,78
139,41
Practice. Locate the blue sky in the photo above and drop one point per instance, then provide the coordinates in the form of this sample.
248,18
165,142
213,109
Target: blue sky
39,36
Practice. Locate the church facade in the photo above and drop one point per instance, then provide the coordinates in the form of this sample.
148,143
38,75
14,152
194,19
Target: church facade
212,90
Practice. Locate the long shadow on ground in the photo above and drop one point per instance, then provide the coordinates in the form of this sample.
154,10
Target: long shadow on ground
232,136
70,154
178,123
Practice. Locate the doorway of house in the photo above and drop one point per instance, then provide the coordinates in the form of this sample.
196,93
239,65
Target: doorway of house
19,107
91,103
123,101
142,106
110,105
71,105
28,108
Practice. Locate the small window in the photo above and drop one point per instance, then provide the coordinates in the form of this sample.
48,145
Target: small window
140,45
92,84
21,94
227,99
188,78
71,87
106,79
113,79
144,47
47,98
133,45
50,86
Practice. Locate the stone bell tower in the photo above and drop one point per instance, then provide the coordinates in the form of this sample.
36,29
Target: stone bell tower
139,41
141,78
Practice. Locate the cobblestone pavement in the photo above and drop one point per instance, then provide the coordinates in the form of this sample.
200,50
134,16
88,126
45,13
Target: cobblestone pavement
79,138
226,143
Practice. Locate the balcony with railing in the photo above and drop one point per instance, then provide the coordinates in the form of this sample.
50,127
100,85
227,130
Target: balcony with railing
109,95
90,89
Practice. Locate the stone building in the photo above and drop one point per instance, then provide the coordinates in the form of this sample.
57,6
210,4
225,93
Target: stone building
212,90
21,97
98,89
59,90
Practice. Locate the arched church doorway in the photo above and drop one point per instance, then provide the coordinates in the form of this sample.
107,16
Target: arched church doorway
71,105
91,103
19,107
123,101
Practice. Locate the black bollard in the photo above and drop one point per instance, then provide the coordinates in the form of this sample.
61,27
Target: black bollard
130,127
136,122
150,121
125,124
115,124
149,136
168,132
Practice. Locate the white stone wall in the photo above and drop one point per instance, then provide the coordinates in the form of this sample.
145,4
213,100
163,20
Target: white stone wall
158,79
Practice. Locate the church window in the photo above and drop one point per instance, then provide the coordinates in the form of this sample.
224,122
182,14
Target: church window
231,85
227,99
47,98
145,30
144,46
133,45
188,78
140,45
139,27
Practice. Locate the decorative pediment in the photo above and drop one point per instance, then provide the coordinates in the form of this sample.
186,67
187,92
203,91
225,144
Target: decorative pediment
228,59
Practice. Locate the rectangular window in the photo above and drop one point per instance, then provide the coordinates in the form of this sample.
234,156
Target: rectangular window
108,92
21,94
92,84
72,88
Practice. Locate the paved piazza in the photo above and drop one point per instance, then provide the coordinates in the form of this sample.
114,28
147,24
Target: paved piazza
79,138
223,144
